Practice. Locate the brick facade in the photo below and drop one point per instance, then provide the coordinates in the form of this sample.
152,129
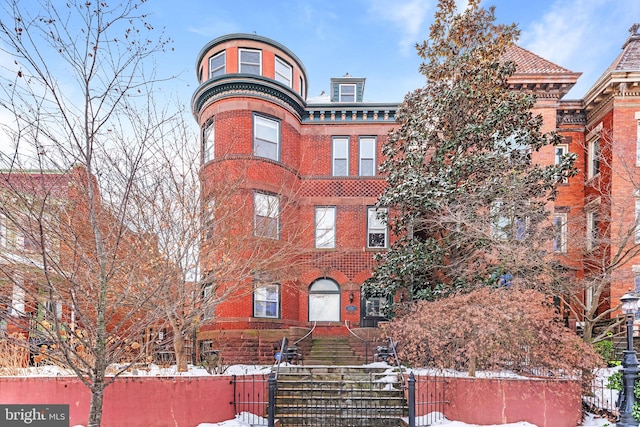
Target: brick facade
303,167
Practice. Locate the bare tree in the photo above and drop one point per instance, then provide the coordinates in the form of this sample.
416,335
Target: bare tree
208,249
605,242
78,90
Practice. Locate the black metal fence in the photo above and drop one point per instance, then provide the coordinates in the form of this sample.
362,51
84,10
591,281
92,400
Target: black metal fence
251,398
379,402
601,399
430,399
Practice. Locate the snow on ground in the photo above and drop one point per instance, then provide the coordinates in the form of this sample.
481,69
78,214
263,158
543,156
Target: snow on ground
246,419
435,418
151,370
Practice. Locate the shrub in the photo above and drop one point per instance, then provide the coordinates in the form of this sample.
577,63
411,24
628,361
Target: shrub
491,329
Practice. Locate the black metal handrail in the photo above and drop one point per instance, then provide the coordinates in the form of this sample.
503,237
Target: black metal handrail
308,333
366,343
283,352
393,346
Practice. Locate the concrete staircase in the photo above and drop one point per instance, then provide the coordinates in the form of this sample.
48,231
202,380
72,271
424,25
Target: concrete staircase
331,351
339,396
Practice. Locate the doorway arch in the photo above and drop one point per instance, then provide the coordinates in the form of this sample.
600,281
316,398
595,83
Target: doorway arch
324,301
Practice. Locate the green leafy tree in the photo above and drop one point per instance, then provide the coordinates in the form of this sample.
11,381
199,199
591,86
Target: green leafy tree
467,203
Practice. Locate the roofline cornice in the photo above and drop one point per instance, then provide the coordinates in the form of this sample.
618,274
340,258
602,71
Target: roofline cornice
609,82
246,85
249,85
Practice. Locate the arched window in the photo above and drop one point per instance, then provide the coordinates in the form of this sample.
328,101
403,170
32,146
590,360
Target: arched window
324,301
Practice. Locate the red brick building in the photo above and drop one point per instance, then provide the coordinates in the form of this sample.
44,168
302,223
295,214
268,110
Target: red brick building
312,162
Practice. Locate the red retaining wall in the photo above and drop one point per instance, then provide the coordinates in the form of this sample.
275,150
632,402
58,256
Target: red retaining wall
188,401
544,402
131,401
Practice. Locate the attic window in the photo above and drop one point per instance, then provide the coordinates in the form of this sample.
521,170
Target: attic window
347,93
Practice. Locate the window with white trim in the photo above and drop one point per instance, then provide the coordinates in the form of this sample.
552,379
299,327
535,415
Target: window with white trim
209,218
340,156
377,232
593,158
17,301
347,93
592,229
559,152
637,116
266,300
207,301
367,156
217,64
560,232
266,137
283,72
325,227
250,61
506,223
208,138
637,224
266,215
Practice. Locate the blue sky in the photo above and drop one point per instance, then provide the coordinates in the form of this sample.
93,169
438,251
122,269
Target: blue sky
375,38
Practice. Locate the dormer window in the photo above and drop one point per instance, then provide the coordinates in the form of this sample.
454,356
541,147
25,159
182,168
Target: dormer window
347,93
217,64
347,89
251,61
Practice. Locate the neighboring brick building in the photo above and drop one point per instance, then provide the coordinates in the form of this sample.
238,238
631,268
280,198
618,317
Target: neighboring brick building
321,155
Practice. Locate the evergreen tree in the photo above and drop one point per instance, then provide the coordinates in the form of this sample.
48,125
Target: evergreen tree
467,204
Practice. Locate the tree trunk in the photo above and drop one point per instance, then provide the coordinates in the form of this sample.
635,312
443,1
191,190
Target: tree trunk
95,412
178,346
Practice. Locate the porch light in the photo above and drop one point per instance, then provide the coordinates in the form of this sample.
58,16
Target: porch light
629,303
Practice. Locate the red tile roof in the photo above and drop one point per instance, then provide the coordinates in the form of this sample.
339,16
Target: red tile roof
528,62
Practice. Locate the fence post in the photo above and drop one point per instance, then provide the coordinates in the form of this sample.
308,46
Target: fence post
412,400
272,400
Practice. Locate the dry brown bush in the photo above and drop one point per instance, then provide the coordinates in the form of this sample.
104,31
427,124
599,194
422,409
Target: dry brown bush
491,329
13,354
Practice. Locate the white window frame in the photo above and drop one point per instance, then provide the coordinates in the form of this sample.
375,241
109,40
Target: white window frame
557,157
636,238
325,227
220,69
265,295
376,226
208,141
245,63
593,220
342,95
266,215
283,72
505,224
593,158
301,87
17,301
340,153
637,117
207,292
209,218
264,144
560,232
367,151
